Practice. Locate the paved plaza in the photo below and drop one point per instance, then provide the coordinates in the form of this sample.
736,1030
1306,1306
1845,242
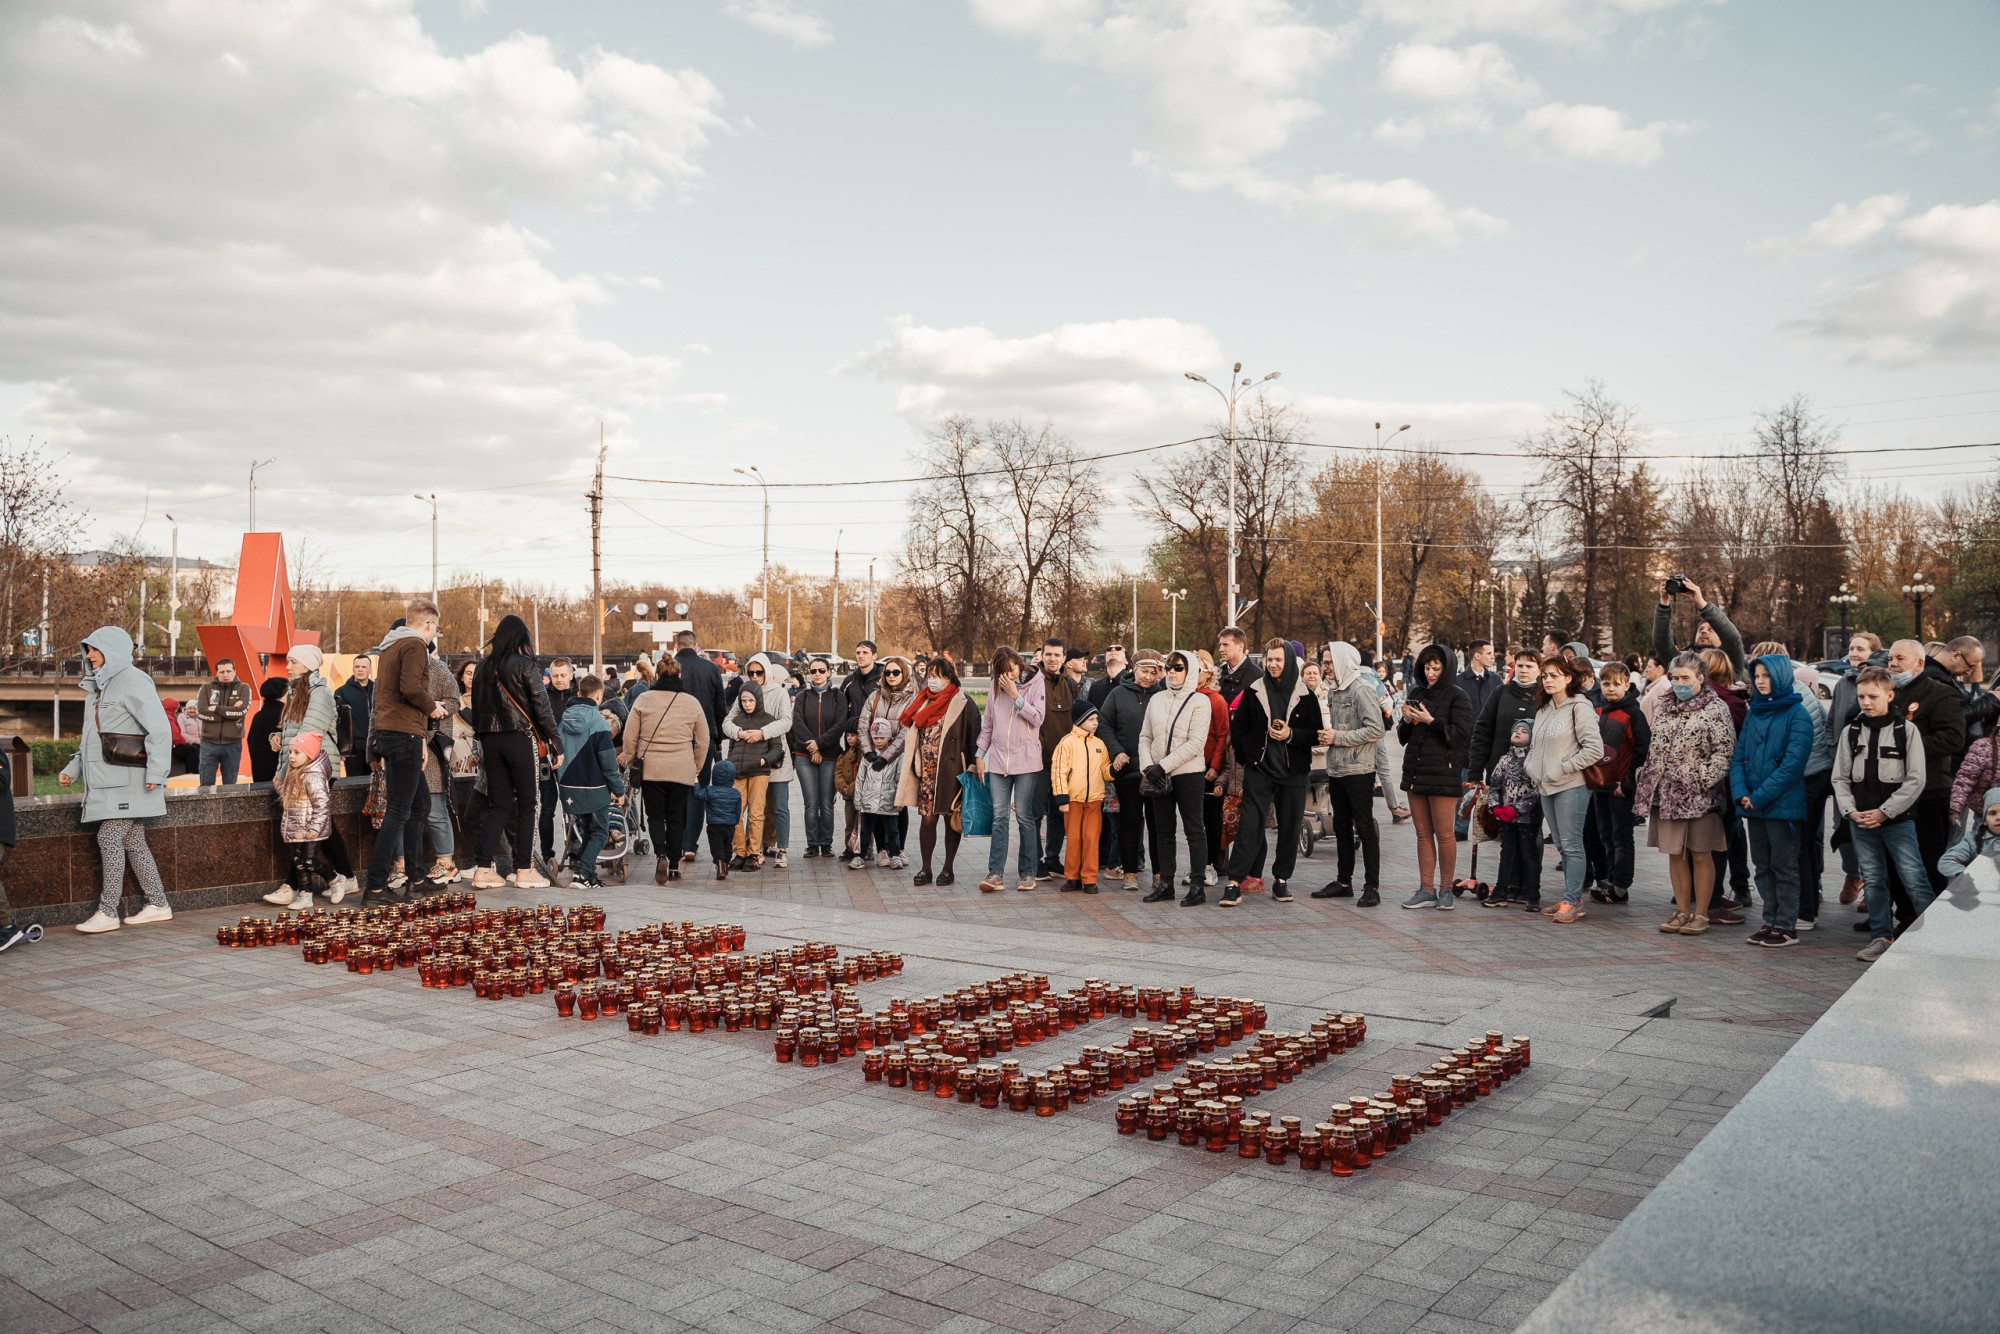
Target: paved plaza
197,1138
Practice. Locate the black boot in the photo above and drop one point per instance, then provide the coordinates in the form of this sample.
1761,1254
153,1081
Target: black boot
1161,894
1334,889
1369,898
1193,899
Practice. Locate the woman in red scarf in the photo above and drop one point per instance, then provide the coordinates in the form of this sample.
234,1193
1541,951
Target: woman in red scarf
943,742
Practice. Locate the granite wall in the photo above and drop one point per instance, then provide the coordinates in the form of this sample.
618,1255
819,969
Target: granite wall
214,846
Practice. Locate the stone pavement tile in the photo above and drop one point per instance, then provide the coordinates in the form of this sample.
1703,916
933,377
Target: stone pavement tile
890,1313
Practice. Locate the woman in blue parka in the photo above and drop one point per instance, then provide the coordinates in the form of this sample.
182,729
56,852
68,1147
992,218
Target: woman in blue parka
1767,781
121,715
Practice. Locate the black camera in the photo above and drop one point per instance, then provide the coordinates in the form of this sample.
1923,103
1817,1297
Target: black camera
1677,584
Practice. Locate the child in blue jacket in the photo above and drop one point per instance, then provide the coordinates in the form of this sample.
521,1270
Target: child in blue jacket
1767,781
1982,840
725,809
590,780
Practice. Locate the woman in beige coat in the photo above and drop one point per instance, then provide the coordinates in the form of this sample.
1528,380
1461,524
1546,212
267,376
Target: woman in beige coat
666,740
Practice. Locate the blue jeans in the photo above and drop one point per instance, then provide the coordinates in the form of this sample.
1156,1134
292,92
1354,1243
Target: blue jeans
592,828
816,789
778,828
1875,849
438,821
1022,792
222,759
1565,812
1774,850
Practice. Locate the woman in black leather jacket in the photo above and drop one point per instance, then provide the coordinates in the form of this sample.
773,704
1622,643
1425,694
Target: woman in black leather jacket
510,713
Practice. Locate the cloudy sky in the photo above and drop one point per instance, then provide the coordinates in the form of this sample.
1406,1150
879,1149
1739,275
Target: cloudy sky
403,247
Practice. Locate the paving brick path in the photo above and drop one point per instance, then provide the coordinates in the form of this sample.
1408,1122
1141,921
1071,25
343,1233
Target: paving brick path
197,1138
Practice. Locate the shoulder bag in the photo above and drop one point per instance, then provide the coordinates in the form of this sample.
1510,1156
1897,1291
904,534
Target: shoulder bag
1147,786
121,750
541,746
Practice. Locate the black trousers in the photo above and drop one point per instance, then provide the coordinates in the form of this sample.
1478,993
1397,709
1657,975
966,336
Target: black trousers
721,842
1812,843
1211,820
509,804
1260,795
549,797
1607,836
1134,819
1051,821
408,804
1352,797
1185,797
666,814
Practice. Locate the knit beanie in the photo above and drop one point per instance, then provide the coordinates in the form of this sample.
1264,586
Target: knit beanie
1080,710
307,656
309,743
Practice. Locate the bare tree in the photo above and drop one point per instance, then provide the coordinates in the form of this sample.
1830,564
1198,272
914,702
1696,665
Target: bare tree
1179,500
1049,503
1586,451
36,526
1795,468
949,564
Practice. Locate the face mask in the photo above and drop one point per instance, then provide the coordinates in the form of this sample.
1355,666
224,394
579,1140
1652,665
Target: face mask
1684,691
1902,678
935,684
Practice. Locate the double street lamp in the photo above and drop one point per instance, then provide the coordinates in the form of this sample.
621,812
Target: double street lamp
1229,402
1845,601
1174,597
1914,593
764,612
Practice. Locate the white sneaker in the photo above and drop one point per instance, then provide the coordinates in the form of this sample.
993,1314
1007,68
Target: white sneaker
530,880
1803,924
97,922
855,863
1210,880
282,896
881,857
151,913
897,863
340,888
780,859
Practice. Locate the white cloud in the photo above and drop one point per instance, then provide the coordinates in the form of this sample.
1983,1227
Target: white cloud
1900,134
788,19
1557,22
315,256
1844,225
1401,133
1428,72
1594,134
1940,303
1224,85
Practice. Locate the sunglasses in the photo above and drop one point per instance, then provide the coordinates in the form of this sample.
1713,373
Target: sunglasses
1114,648
892,676
756,671
816,672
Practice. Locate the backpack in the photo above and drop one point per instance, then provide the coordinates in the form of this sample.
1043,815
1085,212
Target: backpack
1616,728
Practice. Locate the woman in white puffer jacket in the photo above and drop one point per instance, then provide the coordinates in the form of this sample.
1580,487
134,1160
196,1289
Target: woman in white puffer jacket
1172,768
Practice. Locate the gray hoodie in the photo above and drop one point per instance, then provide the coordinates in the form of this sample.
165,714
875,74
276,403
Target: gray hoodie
1354,712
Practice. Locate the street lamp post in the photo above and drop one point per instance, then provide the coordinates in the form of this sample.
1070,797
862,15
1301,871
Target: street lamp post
432,501
838,534
253,492
1174,596
1844,600
1380,625
174,600
1236,389
764,619
1914,593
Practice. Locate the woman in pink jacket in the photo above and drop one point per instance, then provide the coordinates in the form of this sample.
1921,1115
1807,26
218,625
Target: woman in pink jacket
1010,760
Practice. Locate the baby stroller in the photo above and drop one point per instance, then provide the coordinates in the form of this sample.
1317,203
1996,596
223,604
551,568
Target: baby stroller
612,860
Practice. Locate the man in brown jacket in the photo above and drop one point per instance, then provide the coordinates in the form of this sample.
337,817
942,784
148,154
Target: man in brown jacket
404,709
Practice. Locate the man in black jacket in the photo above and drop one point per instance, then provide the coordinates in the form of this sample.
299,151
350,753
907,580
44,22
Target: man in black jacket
1478,681
1929,698
1235,668
701,681
820,724
1118,725
355,703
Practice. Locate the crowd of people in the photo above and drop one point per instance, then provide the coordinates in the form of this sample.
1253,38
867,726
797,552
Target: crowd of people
1095,770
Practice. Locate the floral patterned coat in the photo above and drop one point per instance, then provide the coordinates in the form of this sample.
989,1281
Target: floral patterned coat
1686,775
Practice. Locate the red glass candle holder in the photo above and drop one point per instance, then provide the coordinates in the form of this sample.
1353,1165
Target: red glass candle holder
1341,1151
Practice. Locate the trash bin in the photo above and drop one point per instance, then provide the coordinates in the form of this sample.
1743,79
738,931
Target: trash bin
20,763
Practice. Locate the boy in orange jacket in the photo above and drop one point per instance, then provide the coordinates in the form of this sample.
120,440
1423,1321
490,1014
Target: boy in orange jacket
1079,773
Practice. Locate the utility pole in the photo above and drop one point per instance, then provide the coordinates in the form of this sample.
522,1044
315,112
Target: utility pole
764,613
788,622
336,626
174,599
1229,401
838,534
1135,614
868,607
253,492
433,501
1380,625
535,610
55,697
482,612
596,560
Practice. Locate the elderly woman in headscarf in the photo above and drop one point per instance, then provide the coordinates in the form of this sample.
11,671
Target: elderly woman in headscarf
1173,764
880,736
122,758
1278,722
